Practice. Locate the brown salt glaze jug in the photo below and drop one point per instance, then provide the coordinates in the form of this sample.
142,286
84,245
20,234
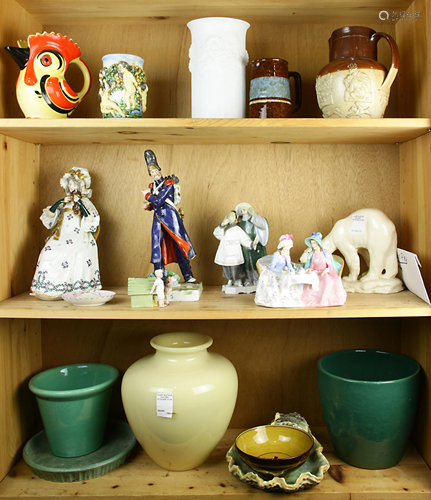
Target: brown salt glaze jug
270,89
354,84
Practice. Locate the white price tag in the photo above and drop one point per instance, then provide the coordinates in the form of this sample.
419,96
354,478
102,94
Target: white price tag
233,250
358,224
165,405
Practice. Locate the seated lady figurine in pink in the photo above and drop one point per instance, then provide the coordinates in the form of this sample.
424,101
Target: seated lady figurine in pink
330,291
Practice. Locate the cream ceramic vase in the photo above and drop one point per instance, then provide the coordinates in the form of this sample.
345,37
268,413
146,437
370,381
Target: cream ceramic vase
179,401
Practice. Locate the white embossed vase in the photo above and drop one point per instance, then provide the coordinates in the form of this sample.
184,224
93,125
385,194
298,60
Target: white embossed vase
218,59
179,401
354,84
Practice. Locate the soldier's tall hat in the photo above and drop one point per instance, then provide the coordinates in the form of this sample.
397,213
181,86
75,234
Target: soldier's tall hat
151,161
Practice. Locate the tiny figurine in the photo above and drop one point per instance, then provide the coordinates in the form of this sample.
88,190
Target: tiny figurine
254,225
159,287
170,241
69,260
281,258
41,88
230,254
330,291
370,233
169,284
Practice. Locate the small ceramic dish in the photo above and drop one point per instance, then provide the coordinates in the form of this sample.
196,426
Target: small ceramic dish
116,447
307,475
274,450
44,296
88,297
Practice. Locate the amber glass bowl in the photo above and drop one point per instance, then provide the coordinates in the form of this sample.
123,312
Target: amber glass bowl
274,450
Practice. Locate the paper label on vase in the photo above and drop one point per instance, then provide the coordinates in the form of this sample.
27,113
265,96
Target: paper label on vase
165,405
358,224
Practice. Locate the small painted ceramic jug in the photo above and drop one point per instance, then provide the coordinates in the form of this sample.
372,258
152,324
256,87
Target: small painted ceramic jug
270,89
123,86
41,88
353,84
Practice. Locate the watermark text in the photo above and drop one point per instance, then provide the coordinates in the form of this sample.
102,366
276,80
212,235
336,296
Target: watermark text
399,15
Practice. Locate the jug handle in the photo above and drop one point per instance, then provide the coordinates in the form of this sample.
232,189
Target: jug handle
87,77
390,77
298,89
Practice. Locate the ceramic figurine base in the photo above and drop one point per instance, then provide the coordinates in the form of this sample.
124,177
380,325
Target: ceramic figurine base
234,290
144,300
139,290
186,292
281,289
378,285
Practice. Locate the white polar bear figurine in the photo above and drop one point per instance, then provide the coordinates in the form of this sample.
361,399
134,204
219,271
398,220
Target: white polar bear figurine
370,233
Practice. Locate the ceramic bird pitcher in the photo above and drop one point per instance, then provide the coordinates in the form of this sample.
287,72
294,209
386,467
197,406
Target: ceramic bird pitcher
41,88
354,84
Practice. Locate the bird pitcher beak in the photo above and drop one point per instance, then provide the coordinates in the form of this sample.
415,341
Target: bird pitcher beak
19,55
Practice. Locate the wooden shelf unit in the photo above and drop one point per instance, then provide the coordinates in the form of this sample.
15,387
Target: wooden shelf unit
144,11
215,131
303,174
214,304
141,478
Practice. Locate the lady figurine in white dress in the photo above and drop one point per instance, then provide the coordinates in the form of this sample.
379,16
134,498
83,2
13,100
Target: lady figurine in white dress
69,260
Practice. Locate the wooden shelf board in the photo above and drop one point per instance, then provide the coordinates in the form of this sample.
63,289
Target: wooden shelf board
216,305
139,477
142,11
214,131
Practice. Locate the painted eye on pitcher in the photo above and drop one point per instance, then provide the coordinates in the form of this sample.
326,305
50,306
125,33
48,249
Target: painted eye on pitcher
49,59
46,60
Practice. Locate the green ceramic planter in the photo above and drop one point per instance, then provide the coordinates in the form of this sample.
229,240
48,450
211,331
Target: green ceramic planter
73,401
369,401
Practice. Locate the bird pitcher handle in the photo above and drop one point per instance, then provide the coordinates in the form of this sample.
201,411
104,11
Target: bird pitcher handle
87,77
395,57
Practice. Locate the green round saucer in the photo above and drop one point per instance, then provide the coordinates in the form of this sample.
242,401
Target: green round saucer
118,443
